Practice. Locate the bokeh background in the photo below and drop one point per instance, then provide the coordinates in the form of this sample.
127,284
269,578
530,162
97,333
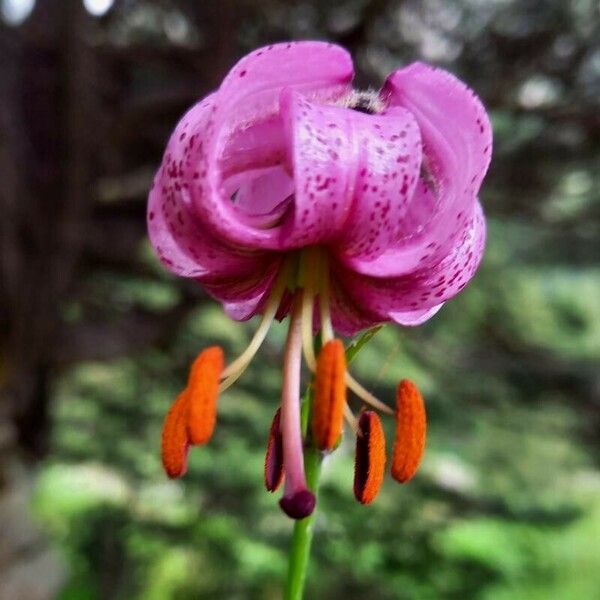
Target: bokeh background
96,336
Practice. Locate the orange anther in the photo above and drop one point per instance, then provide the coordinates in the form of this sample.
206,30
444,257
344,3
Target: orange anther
411,428
175,443
369,465
330,395
203,391
274,456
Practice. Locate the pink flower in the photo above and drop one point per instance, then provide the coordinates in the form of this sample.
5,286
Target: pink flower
285,190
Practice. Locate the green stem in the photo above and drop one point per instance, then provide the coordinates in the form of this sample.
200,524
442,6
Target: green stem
303,532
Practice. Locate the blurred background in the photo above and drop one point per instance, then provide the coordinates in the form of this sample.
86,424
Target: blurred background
95,337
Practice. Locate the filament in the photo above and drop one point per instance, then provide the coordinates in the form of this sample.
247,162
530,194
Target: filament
324,302
351,419
327,334
363,394
234,370
307,320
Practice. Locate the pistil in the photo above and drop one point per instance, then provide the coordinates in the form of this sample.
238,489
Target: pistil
298,501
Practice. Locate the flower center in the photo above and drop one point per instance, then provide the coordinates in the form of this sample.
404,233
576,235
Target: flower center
364,101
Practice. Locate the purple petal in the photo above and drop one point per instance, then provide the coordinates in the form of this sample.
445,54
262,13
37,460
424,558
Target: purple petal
386,176
353,174
414,317
317,69
256,146
323,158
457,141
179,237
262,197
347,317
423,290
246,133
242,298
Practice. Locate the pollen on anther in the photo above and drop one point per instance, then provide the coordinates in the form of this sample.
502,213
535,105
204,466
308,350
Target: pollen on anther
329,395
274,455
175,441
411,428
203,391
369,465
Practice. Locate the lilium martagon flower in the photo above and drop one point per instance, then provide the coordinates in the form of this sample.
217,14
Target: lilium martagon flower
288,194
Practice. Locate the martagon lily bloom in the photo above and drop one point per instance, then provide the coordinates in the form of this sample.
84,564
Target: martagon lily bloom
288,193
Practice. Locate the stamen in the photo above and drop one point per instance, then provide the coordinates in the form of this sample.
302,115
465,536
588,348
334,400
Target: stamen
369,466
351,419
330,395
203,391
308,300
234,370
274,456
363,394
411,426
324,302
298,501
175,442
327,334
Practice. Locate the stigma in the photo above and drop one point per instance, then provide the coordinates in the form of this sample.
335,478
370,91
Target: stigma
304,277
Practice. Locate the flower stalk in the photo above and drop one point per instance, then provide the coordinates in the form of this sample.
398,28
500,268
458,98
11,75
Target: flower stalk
299,556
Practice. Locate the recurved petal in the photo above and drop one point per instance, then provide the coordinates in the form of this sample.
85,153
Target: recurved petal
243,298
386,174
412,318
353,174
445,108
178,235
262,197
245,132
418,293
322,156
317,69
457,140
348,318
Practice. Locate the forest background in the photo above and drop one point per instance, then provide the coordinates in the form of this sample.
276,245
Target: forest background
95,337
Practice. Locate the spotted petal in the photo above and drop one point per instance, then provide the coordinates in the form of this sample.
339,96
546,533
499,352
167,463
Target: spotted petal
245,132
180,238
456,137
407,298
349,183
243,297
